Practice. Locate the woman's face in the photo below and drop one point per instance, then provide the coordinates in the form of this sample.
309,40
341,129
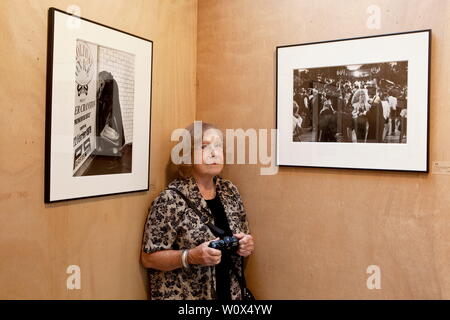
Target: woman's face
210,153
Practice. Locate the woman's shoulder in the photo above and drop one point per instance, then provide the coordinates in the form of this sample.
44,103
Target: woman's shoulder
227,185
168,198
166,192
177,184
164,197
169,194
186,186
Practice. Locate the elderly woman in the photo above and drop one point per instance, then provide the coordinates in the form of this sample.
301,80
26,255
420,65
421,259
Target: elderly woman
175,246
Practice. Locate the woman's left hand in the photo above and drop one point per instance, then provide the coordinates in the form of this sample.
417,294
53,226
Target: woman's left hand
246,244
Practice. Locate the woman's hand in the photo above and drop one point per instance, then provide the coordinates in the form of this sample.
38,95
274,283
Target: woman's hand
246,244
204,255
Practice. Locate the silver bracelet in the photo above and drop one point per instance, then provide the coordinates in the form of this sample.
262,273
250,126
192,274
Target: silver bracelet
184,261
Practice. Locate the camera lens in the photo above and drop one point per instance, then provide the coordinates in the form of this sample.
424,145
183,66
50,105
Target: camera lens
213,245
220,244
234,242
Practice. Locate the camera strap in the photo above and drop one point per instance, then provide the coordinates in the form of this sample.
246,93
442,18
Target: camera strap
215,230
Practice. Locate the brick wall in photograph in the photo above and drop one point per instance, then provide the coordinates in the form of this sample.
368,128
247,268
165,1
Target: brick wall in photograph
121,65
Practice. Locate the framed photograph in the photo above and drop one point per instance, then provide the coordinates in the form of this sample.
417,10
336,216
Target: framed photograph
358,103
99,86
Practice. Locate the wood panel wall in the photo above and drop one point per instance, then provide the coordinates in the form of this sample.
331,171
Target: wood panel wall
102,235
317,230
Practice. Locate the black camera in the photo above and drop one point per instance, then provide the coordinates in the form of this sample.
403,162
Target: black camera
227,243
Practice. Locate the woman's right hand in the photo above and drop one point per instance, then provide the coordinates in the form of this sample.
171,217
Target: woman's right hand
204,255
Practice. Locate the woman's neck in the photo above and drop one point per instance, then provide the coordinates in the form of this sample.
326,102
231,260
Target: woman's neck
206,186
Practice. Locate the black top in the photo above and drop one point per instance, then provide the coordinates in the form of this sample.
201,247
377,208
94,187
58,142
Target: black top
223,269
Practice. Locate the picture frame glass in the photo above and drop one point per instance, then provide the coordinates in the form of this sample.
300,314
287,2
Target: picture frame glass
355,103
98,109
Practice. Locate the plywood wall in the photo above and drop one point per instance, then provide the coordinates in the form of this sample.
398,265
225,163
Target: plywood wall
102,235
317,230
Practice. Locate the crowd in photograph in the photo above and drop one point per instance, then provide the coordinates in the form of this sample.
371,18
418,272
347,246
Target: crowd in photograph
361,108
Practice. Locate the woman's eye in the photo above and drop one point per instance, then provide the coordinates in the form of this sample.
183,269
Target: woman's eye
204,146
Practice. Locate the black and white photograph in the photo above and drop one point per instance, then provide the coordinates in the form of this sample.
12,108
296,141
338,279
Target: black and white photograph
365,103
357,103
99,88
104,103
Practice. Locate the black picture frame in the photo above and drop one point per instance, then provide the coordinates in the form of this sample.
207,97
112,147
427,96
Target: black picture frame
98,100
300,66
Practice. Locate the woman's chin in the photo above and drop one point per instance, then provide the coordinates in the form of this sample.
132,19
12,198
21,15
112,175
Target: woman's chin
215,168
